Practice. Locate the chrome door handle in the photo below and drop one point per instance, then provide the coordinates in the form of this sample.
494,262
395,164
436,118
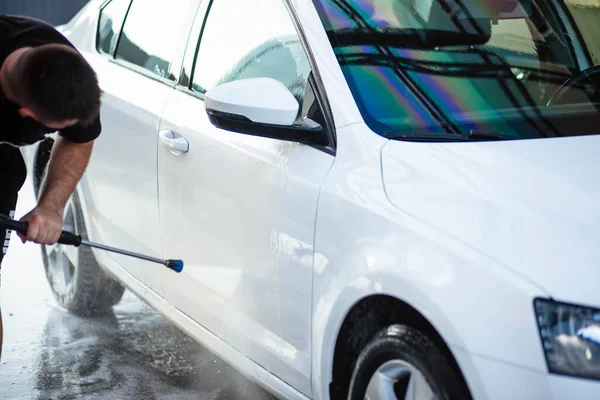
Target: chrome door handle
177,145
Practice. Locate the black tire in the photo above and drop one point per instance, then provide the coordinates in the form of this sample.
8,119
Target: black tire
406,345
91,291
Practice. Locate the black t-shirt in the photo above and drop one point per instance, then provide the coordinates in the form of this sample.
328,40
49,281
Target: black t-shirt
17,32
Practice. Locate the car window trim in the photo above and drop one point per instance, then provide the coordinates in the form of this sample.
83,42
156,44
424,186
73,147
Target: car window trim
191,53
189,56
180,45
142,71
122,63
319,90
113,50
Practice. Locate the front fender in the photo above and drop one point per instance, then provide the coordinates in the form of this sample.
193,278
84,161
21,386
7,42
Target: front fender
334,305
475,303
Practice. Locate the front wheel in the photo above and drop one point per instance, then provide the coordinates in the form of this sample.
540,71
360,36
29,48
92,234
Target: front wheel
401,363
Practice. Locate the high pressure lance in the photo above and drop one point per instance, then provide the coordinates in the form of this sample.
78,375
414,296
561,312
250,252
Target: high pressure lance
71,239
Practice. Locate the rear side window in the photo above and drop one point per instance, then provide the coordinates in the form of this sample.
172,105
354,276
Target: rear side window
151,34
112,16
250,39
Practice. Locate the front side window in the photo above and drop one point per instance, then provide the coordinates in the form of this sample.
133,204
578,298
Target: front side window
112,16
503,68
151,34
250,39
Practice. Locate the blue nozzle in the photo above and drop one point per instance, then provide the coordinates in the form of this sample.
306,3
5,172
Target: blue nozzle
175,265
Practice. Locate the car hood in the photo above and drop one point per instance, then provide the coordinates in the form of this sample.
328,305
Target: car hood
533,205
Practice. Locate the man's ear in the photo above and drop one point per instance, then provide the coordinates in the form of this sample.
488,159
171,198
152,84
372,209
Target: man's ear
27,113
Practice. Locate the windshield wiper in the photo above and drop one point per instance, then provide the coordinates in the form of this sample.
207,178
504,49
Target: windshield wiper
482,135
473,135
405,38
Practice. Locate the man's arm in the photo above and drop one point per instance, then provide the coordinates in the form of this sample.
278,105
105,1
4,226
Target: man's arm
66,166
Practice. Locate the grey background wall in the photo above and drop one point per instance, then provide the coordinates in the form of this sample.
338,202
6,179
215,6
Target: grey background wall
55,12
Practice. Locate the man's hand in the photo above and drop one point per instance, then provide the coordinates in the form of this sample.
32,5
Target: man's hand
45,225
66,166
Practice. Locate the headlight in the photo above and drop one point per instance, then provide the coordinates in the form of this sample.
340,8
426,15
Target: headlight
570,337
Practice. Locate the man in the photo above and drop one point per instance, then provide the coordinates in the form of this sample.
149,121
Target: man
45,86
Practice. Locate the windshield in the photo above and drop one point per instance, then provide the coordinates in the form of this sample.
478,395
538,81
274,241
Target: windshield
514,68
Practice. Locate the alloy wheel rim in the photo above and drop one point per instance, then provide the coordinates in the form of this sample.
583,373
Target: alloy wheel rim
63,260
399,380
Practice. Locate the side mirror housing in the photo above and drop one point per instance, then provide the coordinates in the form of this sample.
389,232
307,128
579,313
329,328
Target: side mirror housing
260,107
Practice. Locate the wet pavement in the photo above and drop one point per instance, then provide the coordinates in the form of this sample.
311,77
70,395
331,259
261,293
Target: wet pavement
132,353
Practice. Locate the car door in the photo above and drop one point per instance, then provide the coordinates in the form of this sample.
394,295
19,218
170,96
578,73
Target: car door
137,67
240,210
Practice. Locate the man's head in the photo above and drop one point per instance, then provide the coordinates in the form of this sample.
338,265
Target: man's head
53,84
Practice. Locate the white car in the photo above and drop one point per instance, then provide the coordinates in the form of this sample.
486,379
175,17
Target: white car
374,199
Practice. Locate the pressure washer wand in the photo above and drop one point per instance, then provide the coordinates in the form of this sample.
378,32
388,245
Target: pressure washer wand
68,238
175,265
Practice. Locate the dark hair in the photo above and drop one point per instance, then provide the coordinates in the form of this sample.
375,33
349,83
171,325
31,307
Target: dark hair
57,83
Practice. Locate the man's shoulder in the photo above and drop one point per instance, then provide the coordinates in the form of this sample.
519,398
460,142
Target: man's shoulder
23,22
21,31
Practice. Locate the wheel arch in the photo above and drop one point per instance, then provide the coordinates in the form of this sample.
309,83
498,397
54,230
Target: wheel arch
372,313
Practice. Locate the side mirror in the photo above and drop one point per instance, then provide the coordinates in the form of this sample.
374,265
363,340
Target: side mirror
260,107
